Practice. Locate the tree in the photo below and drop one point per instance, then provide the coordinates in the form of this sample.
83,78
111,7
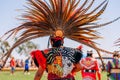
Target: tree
26,48
4,47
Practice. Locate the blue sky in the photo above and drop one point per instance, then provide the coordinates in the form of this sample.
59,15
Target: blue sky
9,12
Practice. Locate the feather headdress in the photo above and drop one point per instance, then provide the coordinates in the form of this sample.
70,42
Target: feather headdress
68,18
117,42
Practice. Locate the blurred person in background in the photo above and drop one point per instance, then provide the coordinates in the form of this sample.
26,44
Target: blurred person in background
113,67
22,63
26,67
18,63
90,67
12,65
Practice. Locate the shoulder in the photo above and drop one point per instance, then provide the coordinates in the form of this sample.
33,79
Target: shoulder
72,49
46,51
82,60
35,53
39,51
68,48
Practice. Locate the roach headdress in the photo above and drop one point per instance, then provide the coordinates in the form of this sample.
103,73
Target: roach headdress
73,19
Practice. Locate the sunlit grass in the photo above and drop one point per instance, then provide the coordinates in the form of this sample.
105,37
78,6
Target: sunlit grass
19,75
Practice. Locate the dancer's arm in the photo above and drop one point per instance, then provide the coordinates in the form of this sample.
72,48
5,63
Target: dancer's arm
39,73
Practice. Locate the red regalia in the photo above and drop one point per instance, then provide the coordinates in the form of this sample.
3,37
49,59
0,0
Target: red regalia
58,62
90,68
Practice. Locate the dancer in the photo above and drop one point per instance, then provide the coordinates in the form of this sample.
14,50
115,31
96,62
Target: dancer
113,68
59,19
90,67
58,61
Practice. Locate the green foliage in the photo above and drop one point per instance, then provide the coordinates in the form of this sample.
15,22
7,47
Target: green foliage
26,47
4,46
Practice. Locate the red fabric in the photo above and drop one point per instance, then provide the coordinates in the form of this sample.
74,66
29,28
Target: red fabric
87,41
12,63
99,76
41,60
55,77
80,47
90,64
73,72
57,38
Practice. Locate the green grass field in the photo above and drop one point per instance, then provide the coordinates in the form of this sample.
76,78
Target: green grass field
19,75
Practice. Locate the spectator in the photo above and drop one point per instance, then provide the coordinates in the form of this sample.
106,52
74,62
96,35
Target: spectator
32,63
21,63
12,65
26,70
17,63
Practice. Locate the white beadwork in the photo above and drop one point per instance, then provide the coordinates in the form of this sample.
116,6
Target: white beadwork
67,66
